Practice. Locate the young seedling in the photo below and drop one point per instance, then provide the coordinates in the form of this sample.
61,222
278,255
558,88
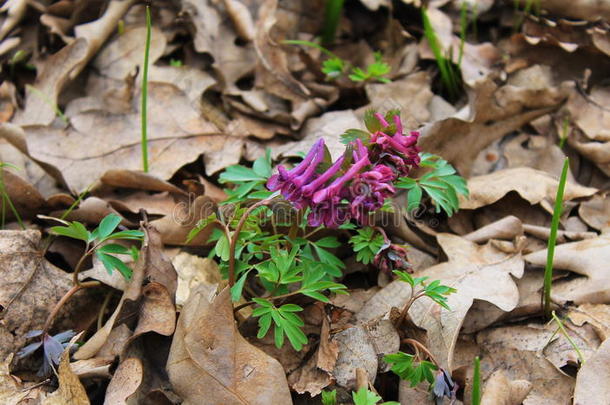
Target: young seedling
365,397
144,113
548,271
329,397
419,288
98,242
476,382
335,67
416,369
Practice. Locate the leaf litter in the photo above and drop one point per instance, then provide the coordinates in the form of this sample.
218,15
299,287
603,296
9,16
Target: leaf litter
224,87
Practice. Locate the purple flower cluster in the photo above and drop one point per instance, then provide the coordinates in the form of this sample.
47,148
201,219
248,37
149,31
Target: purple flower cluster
355,184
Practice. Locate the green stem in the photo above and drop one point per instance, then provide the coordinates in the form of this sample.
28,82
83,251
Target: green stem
235,237
476,382
332,17
144,112
567,336
548,271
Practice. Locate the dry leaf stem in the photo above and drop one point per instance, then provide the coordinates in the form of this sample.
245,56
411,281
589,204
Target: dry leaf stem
418,346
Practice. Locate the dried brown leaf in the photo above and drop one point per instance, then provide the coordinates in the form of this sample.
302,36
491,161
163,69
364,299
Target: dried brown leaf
30,286
589,258
476,272
592,378
533,185
217,365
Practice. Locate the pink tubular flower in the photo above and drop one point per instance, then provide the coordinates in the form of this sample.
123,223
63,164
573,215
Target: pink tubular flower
369,191
396,150
291,182
341,193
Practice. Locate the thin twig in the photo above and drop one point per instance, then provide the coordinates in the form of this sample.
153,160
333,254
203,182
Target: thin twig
73,290
418,345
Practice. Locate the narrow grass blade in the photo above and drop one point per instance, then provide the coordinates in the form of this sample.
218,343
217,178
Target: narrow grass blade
548,271
331,20
463,27
144,113
564,332
6,199
476,382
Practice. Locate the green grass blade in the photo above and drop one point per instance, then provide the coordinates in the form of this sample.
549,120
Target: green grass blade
463,27
476,382
332,16
6,199
548,271
144,140
565,334
48,102
310,44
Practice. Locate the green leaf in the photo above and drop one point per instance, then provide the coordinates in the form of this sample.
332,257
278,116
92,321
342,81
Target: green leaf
127,235
238,287
414,198
352,134
333,67
114,248
111,262
329,397
371,122
75,230
328,242
262,165
264,322
239,174
107,226
365,397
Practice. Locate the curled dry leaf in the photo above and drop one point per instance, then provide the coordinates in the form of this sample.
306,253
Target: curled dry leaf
492,113
175,129
215,34
500,390
517,351
217,365
596,315
596,212
532,185
590,258
194,271
63,66
506,228
29,287
12,390
126,380
25,197
156,311
477,272
592,378
579,9
356,350
411,95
